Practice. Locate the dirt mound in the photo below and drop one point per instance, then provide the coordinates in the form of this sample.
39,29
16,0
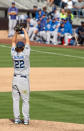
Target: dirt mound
38,125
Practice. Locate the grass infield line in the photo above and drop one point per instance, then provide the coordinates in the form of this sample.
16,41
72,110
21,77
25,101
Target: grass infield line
51,53
59,54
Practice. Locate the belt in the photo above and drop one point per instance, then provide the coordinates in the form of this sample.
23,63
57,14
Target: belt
20,76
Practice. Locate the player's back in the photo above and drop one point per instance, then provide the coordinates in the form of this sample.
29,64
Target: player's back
21,61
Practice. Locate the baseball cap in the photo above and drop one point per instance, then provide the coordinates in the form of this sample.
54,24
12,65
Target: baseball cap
35,6
54,8
82,22
58,18
39,9
44,7
64,18
13,2
53,18
61,22
20,44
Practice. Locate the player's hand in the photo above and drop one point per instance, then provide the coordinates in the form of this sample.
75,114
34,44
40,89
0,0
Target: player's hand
16,33
59,34
23,29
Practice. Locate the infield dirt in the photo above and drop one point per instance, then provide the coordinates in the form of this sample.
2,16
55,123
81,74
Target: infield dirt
43,79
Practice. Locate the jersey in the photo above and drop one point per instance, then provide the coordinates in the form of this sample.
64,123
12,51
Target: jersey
43,23
21,61
38,16
13,10
33,23
61,30
68,27
54,25
48,26
63,16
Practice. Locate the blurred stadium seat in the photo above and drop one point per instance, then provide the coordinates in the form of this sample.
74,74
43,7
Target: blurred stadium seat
23,4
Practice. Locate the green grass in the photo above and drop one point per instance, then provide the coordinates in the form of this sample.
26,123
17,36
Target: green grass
62,58
62,106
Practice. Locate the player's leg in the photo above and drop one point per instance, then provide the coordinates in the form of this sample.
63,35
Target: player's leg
48,34
25,91
30,32
16,98
10,28
66,38
13,26
43,35
35,32
54,33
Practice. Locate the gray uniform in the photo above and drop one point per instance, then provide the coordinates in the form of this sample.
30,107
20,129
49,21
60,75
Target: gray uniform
20,84
32,27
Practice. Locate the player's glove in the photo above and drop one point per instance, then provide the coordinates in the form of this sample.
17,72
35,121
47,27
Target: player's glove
19,26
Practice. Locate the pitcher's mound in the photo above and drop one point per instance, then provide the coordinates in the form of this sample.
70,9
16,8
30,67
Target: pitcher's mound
38,125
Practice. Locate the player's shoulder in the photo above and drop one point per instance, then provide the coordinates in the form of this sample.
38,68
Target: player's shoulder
16,8
10,8
27,50
13,51
27,46
12,48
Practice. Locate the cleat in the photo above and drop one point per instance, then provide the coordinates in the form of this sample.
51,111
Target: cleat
18,122
26,122
10,36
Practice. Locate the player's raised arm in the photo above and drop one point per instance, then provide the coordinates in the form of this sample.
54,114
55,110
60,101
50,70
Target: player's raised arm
14,40
26,36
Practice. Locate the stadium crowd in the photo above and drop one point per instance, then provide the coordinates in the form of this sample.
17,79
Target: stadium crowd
54,27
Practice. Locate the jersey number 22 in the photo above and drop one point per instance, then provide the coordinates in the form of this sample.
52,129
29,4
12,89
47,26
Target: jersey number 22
19,64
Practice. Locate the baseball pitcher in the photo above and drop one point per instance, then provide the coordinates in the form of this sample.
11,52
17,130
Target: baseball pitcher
20,53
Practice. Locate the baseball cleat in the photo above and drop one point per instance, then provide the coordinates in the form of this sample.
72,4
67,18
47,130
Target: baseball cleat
10,36
18,122
26,122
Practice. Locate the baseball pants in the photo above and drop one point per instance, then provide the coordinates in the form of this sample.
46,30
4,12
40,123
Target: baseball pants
54,39
12,24
21,88
66,37
30,32
42,34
